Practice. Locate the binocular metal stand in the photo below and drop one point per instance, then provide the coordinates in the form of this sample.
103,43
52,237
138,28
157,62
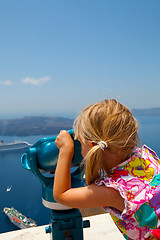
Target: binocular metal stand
67,225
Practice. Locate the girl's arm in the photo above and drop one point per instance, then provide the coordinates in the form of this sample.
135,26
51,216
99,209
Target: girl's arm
85,197
62,181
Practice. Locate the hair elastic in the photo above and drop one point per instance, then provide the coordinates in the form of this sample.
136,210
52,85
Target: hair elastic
103,145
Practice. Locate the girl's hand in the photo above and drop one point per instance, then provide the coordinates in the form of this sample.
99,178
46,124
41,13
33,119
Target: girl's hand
64,142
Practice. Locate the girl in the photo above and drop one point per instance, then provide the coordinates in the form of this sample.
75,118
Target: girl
120,176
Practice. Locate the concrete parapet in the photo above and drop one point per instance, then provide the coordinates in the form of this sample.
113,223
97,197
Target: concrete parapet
101,227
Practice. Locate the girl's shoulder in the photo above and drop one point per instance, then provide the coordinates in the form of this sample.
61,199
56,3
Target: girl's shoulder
148,152
139,158
142,166
144,152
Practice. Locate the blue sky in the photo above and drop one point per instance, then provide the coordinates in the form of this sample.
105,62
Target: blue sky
58,56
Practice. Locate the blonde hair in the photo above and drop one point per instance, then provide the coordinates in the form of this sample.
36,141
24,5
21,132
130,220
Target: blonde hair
110,122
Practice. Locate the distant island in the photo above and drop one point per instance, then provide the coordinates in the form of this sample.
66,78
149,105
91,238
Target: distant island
28,126
146,112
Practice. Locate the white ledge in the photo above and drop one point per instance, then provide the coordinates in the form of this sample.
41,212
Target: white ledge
101,227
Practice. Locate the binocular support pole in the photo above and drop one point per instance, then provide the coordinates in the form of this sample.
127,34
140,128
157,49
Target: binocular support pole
67,225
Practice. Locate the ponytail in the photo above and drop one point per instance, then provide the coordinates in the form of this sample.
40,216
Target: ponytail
93,164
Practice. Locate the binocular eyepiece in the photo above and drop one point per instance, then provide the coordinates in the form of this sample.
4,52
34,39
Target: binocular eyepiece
47,154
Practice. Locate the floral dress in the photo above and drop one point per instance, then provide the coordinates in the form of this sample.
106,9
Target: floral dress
138,181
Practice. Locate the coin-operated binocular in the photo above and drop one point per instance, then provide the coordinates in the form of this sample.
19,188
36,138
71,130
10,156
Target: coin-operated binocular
40,159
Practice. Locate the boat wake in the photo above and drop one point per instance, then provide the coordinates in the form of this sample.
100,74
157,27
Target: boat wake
14,146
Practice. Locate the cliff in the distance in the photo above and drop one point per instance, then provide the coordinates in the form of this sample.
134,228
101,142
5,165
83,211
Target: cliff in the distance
146,112
50,125
34,126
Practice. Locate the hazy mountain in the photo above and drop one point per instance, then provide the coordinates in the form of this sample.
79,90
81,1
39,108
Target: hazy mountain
146,112
50,125
34,126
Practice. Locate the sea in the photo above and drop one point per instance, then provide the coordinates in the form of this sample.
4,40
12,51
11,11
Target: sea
25,193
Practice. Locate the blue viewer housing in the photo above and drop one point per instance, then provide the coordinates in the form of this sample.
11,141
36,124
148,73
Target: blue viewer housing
40,159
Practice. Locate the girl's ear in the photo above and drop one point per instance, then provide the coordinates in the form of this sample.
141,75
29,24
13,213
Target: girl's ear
90,144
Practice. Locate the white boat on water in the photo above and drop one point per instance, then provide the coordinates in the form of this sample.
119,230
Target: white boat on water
14,146
8,188
19,219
